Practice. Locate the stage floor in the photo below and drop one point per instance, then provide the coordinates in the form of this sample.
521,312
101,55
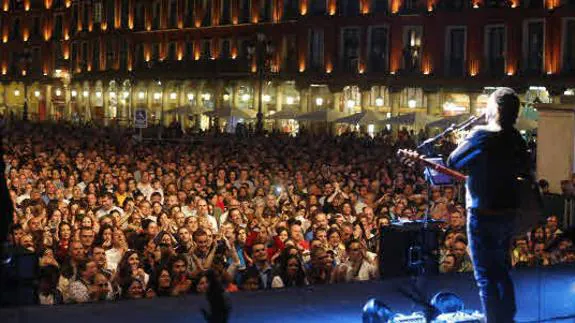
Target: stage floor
542,295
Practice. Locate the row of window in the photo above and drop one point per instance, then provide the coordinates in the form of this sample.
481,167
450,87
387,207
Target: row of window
455,49
193,11
378,49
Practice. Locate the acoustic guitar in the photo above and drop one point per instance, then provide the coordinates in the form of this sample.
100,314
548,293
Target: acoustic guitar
530,212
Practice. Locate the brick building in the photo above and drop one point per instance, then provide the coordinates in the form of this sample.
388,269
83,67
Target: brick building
101,59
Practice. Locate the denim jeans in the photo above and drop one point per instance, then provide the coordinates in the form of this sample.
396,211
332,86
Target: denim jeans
489,242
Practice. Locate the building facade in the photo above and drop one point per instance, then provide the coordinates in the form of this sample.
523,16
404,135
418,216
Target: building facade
102,59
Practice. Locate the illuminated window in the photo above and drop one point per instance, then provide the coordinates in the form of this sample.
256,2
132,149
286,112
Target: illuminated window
58,27
172,51
206,49
380,6
495,48
125,13
207,9
378,49
317,7
349,53
226,16
569,45
245,11
533,38
110,13
412,48
173,17
291,9
455,53
225,49
316,49
139,16
156,12
348,7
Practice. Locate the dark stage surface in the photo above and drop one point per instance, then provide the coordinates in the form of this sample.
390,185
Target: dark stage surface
551,297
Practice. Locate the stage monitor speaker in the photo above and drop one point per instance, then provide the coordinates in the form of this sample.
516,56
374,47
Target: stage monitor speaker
408,250
19,272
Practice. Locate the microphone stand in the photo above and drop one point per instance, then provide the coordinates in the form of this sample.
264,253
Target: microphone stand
419,276
449,130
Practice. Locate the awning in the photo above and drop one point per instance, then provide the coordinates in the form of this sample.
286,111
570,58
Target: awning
229,112
321,115
363,118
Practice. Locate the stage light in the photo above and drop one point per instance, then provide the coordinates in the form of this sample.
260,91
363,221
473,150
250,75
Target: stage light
375,311
447,302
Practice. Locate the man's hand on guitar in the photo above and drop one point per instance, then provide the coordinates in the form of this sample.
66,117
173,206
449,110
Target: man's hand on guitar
408,157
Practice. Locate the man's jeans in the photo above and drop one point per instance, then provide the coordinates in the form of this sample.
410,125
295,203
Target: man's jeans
489,242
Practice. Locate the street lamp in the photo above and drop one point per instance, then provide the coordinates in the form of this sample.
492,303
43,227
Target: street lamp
261,49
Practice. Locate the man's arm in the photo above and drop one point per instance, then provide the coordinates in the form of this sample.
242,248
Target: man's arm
466,151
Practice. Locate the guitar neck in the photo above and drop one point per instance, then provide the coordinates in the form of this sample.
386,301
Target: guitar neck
444,170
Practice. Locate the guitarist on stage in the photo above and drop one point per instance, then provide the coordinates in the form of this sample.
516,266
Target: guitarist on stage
494,156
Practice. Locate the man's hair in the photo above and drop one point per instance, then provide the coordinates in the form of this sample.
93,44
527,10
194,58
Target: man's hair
198,233
507,106
82,266
176,258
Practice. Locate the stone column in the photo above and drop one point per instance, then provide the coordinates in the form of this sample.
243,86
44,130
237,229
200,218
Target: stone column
305,99
219,95
433,106
279,97
336,104
473,103
106,105
67,102
365,100
150,102
165,103
395,100
555,144
49,104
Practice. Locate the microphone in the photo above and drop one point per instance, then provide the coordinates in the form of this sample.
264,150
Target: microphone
467,123
453,128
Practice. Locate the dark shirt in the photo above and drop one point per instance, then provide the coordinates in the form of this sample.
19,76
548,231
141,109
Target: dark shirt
494,159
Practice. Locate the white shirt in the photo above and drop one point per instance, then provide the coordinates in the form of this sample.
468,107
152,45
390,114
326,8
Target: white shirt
113,257
103,212
366,271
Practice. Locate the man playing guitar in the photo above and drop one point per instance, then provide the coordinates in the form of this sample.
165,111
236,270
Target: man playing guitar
494,157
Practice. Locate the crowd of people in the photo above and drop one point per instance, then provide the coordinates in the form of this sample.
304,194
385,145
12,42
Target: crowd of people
113,218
